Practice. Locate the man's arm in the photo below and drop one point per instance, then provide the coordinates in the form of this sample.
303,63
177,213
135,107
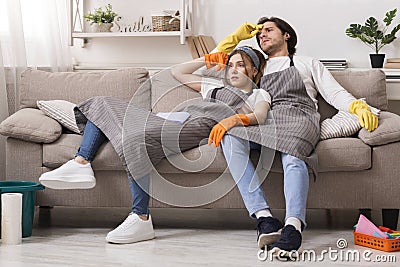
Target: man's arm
329,88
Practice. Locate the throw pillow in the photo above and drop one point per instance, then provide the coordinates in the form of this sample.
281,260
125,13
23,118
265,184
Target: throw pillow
341,125
388,130
30,124
60,110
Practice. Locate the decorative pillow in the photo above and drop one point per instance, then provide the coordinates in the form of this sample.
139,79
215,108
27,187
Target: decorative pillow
341,125
388,130
30,124
60,110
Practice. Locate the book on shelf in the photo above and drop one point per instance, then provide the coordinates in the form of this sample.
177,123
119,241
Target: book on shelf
200,45
392,65
334,64
393,60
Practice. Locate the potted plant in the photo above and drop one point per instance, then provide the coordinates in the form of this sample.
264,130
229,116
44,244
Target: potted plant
375,36
102,19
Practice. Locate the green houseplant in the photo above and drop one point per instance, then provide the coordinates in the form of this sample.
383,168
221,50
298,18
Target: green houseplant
102,18
375,36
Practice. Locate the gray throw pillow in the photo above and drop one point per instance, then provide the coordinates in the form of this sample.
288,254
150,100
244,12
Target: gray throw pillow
31,125
388,130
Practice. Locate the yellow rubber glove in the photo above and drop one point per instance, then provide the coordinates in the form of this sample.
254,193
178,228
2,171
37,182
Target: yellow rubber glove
367,119
245,31
219,130
218,58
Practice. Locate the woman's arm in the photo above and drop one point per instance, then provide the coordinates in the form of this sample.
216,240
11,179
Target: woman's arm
260,113
184,73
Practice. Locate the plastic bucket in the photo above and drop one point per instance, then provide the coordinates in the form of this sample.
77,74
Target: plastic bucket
28,191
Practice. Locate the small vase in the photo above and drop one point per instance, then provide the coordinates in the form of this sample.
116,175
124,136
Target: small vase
377,60
104,27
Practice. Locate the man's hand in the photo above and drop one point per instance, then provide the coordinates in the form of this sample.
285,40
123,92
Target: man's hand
218,58
367,119
219,130
245,31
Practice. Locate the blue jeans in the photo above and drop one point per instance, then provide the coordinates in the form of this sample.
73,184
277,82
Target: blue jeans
92,139
296,179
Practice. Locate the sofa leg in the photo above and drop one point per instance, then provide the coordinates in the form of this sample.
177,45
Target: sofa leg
390,218
366,213
44,219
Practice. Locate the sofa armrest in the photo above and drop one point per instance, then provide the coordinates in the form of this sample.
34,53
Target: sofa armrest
388,130
23,160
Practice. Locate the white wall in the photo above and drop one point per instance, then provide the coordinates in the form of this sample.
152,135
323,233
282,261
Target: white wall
320,26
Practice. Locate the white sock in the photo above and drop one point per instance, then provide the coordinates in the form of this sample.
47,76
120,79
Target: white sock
295,222
263,213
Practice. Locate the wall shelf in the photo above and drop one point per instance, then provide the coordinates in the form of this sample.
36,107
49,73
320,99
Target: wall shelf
76,21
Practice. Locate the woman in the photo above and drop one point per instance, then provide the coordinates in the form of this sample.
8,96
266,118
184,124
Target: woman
101,118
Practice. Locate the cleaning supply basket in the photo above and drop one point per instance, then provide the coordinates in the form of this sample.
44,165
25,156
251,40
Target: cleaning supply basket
387,245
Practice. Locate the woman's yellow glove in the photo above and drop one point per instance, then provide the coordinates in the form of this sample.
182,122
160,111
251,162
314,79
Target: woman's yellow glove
219,130
245,31
367,119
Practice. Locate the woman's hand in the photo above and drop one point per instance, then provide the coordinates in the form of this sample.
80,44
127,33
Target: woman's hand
219,130
218,58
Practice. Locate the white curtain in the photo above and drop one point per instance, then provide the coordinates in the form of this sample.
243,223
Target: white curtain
33,34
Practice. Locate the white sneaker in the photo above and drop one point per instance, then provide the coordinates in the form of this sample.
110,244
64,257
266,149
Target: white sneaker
71,175
132,230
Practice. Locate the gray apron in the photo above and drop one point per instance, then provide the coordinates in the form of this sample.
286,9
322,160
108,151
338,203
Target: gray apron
295,115
141,139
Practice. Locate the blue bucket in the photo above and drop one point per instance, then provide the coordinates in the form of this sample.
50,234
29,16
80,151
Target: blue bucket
28,191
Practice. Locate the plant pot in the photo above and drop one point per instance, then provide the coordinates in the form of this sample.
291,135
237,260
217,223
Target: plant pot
377,60
104,27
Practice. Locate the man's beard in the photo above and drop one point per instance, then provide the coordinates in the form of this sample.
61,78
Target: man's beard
271,49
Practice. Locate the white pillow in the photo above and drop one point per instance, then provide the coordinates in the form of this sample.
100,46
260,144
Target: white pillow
341,125
60,110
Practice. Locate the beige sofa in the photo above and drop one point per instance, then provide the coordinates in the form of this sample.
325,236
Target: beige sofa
352,174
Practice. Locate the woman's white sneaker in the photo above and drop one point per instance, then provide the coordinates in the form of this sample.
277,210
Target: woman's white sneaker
132,230
71,175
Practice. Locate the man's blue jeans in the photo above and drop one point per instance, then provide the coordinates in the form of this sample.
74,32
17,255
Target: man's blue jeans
92,139
296,179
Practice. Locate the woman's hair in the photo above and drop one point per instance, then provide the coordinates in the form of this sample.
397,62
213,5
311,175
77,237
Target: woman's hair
284,27
248,59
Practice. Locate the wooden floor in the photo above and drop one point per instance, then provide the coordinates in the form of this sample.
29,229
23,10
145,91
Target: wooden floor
76,237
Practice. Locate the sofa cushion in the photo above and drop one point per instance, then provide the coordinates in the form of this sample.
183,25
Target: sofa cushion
369,84
76,87
343,154
32,125
62,111
64,149
337,154
167,93
388,130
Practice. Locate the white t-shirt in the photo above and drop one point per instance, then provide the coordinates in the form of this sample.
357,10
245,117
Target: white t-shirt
316,78
258,95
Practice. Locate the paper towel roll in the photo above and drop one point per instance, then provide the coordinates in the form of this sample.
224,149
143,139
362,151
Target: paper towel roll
11,216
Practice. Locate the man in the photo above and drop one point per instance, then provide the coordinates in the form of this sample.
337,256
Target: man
290,80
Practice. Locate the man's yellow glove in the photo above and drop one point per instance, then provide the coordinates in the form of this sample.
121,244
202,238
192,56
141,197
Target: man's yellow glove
367,119
245,31
219,130
218,58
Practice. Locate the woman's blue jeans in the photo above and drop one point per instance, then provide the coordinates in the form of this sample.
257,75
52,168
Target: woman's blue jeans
92,139
296,179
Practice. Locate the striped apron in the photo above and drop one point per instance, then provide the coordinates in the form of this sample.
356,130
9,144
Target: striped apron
295,116
141,139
